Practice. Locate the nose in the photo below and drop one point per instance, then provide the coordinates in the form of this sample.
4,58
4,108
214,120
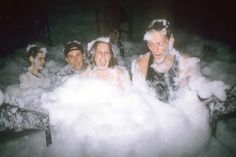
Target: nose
43,61
76,60
103,54
155,48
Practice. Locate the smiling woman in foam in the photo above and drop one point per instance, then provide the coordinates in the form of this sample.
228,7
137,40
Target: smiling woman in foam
104,64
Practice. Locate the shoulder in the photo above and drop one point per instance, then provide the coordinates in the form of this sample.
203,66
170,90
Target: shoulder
143,59
190,62
26,80
24,76
121,70
122,76
189,65
63,71
87,72
141,63
65,67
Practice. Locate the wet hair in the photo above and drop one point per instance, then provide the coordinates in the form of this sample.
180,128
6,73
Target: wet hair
72,45
33,50
159,25
113,60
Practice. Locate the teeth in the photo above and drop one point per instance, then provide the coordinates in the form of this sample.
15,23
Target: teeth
102,61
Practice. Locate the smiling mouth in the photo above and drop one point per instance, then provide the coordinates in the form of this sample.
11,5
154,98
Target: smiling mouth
102,61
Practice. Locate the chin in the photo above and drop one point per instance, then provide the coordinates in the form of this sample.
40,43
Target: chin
77,68
158,59
102,67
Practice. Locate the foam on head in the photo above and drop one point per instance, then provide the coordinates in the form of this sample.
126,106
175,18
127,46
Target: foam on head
34,46
157,25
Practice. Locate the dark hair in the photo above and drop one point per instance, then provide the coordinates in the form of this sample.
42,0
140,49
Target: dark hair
34,48
33,51
72,45
113,60
159,25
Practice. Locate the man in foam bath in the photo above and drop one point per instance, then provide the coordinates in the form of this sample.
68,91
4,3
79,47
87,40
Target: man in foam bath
164,70
74,56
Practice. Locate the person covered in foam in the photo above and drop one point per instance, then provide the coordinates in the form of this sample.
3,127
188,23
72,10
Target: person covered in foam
36,76
117,44
165,70
104,64
31,83
74,56
1,97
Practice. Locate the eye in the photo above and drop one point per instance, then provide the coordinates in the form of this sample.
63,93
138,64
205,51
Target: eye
150,44
160,44
70,57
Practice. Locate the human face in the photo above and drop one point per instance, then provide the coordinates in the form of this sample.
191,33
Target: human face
39,61
75,58
102,55
158,45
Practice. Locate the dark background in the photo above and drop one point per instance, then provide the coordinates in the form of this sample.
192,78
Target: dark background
25,21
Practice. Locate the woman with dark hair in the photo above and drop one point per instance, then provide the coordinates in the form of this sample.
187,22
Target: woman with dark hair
104,64
35,76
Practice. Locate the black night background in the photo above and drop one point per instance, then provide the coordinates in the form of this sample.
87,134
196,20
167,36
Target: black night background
27,21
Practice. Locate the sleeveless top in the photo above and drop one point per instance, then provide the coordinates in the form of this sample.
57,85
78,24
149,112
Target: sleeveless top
163,83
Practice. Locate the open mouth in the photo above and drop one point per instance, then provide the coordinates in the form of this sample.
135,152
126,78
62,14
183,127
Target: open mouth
103,61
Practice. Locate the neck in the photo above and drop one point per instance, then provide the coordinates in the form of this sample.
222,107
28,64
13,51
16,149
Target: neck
165,65
34,70
77,68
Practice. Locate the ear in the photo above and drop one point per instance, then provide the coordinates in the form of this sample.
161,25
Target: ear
66,60
31,59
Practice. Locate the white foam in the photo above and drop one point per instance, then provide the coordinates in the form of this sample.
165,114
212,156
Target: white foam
125,122
1,97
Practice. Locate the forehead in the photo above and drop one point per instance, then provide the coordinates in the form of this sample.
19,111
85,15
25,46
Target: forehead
74,52
157,36
102,46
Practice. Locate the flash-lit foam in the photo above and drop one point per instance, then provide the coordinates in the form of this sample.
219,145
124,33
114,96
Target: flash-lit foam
1,97
96,118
